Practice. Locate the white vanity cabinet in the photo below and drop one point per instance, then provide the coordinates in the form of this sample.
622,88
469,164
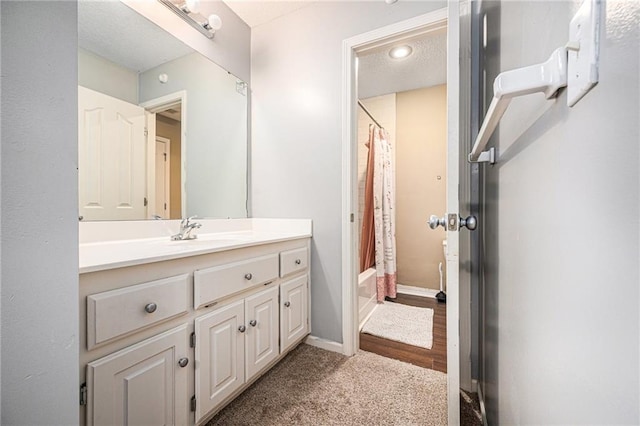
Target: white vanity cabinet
144,384
294,318
233,344
172,342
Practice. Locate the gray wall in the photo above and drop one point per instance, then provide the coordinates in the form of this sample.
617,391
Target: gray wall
39,215
296,73
100,74
561,337
216,128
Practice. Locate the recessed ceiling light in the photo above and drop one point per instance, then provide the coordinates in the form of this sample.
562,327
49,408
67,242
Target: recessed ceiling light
400,52
390,1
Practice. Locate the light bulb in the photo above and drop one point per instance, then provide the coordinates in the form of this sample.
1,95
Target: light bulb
400,52
192,5
215,23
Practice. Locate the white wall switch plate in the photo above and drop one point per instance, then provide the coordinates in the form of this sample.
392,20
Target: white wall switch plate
583,50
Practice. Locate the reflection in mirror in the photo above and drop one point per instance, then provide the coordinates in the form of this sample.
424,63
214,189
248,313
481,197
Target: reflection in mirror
162,129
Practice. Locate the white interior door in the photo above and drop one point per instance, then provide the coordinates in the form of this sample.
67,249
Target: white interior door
453,156
111,157
162,166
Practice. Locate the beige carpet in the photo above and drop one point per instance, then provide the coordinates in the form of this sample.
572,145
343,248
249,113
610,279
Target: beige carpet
311,386
402,323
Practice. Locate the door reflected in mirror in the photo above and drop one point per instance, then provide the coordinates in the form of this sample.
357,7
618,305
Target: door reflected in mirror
162,129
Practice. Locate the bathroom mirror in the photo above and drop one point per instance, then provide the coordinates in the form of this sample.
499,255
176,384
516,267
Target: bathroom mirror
162,129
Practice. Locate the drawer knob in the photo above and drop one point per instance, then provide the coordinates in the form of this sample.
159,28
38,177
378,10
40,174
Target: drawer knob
253,323
287,304
150,308
182,362
242,328
248,277
298,261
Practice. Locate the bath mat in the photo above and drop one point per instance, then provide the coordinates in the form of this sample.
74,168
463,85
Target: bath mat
402,323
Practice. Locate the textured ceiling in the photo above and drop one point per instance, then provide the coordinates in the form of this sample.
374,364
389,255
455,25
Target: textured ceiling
379,74
255,13
114,31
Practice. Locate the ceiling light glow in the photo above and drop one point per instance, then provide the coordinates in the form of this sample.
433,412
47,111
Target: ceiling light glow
400,52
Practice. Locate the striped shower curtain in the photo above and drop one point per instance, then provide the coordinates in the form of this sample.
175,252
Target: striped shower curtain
378,240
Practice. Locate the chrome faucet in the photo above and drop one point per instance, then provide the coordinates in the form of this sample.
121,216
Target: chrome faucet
186,227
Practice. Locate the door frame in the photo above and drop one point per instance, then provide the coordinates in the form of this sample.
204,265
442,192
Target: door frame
160,104
419,25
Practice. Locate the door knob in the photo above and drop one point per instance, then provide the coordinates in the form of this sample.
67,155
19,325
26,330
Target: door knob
435,221
470,222
253,323
242,328
182,362
287,304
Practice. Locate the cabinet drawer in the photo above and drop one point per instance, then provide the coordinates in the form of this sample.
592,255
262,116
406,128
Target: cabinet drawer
118,312
293,261
212,284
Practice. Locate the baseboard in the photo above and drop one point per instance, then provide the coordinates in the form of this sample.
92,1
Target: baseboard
482,408
417,291
328,345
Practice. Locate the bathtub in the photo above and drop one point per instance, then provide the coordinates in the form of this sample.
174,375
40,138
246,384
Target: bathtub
366,295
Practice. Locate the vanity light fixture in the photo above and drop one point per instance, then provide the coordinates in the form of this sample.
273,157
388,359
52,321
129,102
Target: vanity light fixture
188,11
400,52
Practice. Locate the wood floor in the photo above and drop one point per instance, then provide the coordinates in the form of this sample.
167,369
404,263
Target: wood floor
434,358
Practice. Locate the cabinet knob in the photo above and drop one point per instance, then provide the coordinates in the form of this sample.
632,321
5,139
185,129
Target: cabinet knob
248,276
182,362
298,261
150,308
253,323
242,328
287,304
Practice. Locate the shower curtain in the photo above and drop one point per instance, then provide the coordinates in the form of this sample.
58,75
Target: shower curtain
378,240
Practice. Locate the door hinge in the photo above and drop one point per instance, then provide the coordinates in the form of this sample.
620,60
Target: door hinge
165,206
83,394
352,218
145,201
193,403
146,131
165,156
192,340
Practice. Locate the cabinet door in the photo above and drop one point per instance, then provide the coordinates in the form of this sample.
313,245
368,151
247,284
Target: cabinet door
219,356
142,384
261,314
294,306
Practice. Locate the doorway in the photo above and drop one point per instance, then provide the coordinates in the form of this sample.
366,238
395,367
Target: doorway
457,88
402,92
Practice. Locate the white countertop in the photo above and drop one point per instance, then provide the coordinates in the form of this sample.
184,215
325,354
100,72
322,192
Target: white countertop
103,255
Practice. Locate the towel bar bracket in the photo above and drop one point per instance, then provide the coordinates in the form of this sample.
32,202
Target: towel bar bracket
488,156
